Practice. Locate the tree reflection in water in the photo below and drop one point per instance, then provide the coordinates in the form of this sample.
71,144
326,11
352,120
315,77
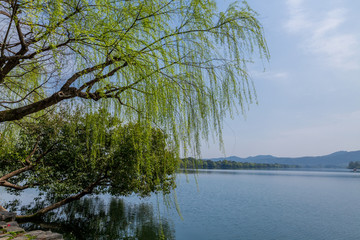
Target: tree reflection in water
94,218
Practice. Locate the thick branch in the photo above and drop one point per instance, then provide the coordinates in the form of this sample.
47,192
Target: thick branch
10,65
5,183
14,186
19,113
65,93
70,199
14,173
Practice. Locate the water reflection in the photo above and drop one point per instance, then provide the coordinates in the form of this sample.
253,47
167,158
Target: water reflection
95,218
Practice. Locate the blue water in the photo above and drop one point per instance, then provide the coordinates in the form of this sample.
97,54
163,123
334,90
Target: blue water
270,205
266,205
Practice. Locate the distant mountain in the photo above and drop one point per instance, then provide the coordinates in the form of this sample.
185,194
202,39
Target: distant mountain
335,160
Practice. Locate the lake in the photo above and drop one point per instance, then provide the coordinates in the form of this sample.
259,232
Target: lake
228,204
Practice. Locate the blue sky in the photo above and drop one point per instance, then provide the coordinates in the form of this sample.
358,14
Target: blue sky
309,93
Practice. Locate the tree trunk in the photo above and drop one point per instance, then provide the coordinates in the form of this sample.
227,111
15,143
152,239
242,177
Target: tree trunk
19,113
41,212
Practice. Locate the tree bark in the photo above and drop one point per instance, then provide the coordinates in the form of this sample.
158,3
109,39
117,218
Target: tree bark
19,113
70,199
14,173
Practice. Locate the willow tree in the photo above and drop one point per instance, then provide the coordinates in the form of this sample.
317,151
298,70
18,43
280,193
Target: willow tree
176,65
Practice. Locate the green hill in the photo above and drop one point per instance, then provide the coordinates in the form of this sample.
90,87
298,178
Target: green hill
335,160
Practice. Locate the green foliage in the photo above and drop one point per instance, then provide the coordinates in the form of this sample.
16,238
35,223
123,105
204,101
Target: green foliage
75,151
192,163
177,65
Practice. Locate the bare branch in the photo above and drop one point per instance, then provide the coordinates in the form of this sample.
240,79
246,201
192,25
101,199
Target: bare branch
15,173
33,54
95,80
5,13
18,29
74,77
27,160
7,34
13,186
23,98
77,10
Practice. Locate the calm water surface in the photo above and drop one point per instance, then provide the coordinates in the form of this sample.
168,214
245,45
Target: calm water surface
271,205
241,204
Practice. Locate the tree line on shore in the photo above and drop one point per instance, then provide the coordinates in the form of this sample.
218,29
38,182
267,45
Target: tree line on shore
192,163
353,165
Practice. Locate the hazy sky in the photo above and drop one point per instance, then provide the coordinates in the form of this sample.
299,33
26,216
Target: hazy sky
309,94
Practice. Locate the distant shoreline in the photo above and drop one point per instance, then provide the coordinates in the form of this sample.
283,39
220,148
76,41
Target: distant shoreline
340,159
192,163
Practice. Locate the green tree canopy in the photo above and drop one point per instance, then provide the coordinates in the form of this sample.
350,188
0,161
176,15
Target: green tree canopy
68,161
178,64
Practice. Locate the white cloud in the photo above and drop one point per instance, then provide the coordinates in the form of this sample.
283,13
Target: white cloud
270,75
297,21
279,78
333,20
322,35
281,75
